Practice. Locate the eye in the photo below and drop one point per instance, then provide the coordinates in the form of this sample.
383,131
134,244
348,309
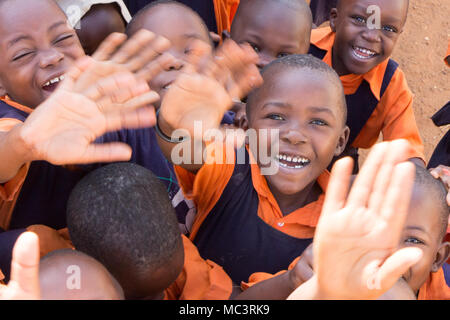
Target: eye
22,55
255,47
390,29
319,122
274,116
359,19
283,54
413,240
63,38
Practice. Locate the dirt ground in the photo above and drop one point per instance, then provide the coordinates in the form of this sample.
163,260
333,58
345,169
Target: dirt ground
420,53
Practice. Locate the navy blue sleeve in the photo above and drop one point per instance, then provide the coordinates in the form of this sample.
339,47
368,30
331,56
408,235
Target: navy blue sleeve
7,241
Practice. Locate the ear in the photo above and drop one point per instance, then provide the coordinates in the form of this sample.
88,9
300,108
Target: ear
333,19
243,122
2,90
441,256
342,142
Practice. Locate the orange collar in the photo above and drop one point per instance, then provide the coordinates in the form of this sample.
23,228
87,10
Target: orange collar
323,38
307,215
16,105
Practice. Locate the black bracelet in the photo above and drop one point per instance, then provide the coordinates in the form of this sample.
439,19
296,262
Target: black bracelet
165,137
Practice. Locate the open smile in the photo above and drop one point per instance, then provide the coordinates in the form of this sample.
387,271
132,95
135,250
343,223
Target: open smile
291,161
363,53
52,84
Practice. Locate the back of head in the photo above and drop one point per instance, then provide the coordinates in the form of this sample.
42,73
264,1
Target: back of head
72,275
122,216
434,189
306,63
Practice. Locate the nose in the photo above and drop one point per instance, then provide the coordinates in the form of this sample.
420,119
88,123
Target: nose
176,61
50,58
264,60
372,35
294,136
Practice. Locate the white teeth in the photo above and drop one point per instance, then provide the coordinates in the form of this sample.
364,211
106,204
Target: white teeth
301,162
55,80
363,50
167,87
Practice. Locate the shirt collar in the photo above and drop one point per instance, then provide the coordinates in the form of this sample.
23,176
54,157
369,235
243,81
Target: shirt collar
16,105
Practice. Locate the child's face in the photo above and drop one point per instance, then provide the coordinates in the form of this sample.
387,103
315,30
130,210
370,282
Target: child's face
37,47
358,47
302,105
423,230
97,24
273,30
180,27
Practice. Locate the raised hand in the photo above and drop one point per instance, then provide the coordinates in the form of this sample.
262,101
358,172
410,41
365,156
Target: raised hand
63,128
443,173
206,88
356,240
142,54
24,283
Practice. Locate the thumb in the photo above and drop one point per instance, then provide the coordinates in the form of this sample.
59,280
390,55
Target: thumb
25,266
396,265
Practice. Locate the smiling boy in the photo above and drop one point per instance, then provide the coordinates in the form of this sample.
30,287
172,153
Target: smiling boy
248,222
38,48
378,97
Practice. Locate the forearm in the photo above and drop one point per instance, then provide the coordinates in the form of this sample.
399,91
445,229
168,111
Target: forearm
188,154
276,288
14,153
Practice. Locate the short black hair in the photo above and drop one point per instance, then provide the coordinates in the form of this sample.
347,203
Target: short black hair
303,61
121,215
436,189
136,18
298,5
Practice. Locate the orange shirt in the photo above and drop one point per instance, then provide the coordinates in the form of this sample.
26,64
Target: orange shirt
200,279
205,189
9,191
49,239
435,288
225,11
393,116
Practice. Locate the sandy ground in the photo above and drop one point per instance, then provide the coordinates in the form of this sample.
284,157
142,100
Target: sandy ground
420,53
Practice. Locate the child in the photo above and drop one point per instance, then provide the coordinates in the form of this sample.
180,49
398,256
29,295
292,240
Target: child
273,28
34,185
121,215
72,275
302,98
359,52
94,20
180,25
217,14
424,228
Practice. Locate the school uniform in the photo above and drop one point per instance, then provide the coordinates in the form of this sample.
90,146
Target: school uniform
35,199
239,224
200,279
436,288
378,101
441,155
217,14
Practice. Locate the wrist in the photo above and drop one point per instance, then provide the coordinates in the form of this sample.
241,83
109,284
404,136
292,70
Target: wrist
21,143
